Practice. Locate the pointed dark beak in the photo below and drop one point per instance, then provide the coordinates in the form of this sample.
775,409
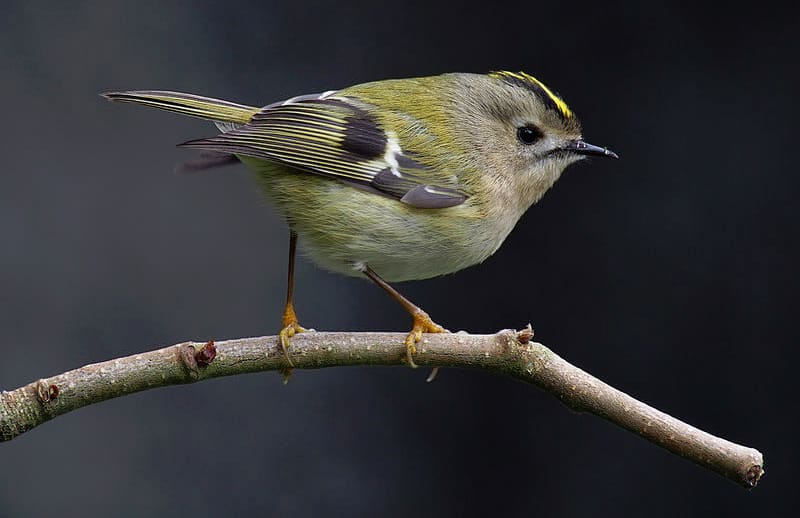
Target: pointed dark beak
580,147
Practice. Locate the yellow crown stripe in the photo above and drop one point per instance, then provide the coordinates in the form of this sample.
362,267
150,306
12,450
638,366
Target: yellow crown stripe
562,106
522,76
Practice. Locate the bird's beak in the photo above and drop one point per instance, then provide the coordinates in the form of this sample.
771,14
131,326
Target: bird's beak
580,147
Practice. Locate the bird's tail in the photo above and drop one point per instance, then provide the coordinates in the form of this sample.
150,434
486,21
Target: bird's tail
188,104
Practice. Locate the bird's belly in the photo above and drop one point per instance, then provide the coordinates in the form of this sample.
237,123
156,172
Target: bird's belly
342,228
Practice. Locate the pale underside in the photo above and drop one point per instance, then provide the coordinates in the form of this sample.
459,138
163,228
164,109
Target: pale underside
397,241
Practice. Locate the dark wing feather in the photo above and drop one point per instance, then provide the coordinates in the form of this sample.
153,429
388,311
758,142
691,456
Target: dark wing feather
207,160
332,137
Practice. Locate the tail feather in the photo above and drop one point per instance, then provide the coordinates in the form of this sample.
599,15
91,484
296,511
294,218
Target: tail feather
187,104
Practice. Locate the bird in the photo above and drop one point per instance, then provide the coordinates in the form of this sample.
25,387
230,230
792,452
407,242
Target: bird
393,180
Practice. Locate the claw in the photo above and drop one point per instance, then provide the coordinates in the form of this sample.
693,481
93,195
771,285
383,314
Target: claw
285,339
290,328
422,324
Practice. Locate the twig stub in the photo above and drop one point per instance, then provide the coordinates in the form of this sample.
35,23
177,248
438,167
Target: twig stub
754,474
206,354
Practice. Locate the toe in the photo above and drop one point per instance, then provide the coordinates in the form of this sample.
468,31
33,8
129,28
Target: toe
411,345
285,340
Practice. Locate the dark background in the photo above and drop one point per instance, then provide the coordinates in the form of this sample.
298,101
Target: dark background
669,273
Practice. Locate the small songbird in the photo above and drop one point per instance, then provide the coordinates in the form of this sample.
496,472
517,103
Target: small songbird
395,180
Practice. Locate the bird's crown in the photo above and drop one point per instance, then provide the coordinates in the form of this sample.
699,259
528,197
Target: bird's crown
527,81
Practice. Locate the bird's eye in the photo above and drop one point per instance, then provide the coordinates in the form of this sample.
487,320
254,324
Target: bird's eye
528,134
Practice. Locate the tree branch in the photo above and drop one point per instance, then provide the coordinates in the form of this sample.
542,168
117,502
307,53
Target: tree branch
507,352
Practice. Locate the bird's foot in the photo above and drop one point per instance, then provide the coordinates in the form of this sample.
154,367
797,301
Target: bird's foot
290,328
285,339
422,324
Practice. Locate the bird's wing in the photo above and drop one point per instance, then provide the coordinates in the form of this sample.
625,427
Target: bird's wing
332,136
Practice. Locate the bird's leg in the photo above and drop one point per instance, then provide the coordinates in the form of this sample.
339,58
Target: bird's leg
422,321
289,320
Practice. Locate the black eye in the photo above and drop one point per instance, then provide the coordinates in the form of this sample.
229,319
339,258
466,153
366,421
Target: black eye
528,134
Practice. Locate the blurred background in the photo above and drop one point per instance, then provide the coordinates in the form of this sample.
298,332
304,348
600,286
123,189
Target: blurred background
670,274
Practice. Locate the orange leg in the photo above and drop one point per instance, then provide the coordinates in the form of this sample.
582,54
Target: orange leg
422,321
289,319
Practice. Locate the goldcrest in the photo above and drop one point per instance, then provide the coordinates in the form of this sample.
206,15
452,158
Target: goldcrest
395,180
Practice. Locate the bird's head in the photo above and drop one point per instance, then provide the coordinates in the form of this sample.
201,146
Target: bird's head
525,133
